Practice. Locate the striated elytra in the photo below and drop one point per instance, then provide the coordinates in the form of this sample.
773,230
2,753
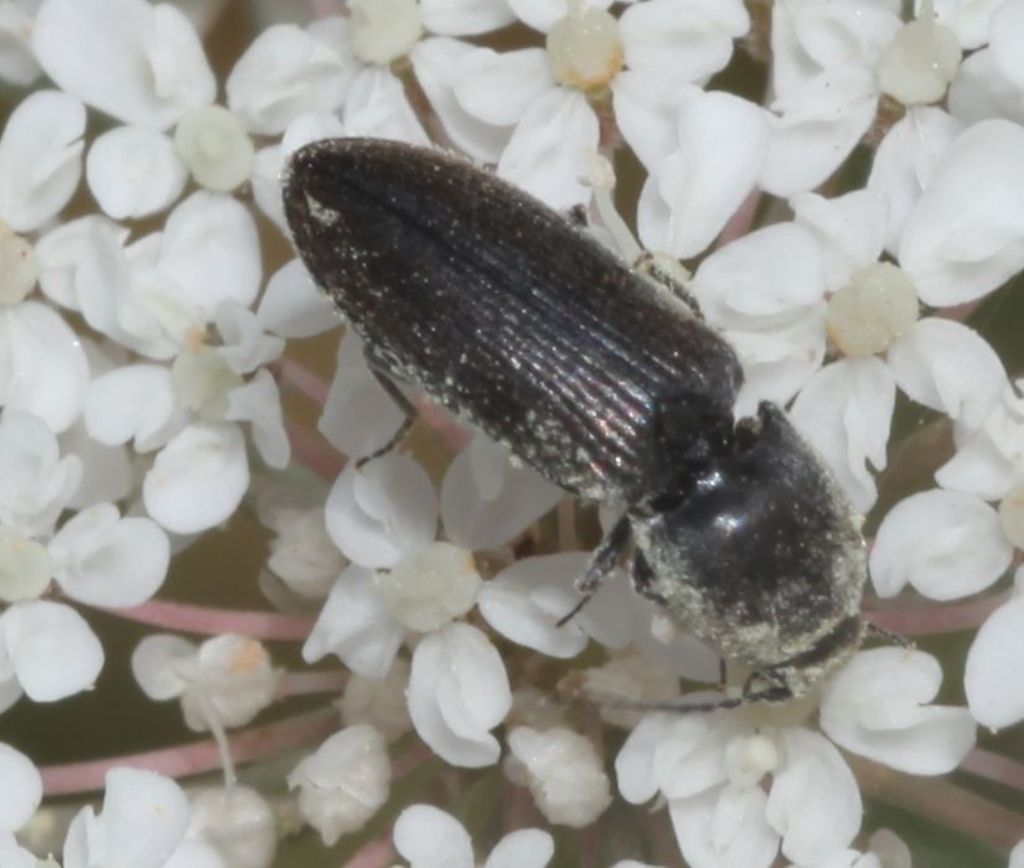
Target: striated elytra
605,381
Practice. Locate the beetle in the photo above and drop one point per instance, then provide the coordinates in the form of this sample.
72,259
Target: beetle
606,382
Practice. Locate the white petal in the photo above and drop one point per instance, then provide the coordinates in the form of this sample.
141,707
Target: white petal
877,706
107,473
158,663
970,22
359,417
980,92
102,559
525,848
476,519
38,483
905,160
849,228
131,402
144,818
293,306
697,188
40,158
258,402
382,512
521,77
845,412
198,479
140,63
770,271
54,652
541,14
355,624
816,130
18,65
814,802
230,681
551,149
287,72
635,765
724,827
211,248
343,783
994,662
949,367
524,602
1007,31
21,789
945,544
465,17
682,40
564,772
965,235
438,64
43,369
59,255
377,106
646,115
458,690
245,347
431,838
134,171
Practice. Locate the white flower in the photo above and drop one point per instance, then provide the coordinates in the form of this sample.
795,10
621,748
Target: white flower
431,838
229,827
458,691
993,691
301,553
143,821
40,158
563,771
102,559
47,650
344,782
379,702
21,789
224,682
18,64
147,70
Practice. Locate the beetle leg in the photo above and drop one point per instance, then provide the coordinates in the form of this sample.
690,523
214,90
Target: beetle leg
605,558
647,265
643,579
889,636
403,403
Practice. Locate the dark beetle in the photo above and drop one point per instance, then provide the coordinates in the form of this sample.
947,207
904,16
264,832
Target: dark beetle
607,383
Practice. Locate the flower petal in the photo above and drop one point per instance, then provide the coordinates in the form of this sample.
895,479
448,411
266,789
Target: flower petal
949,367
198,479
877,706
465,17
994,662
43,369
133,171
524,848
53,650
845,412
458,690
965,235
724,827
946,544
431,838
21,789
377,106
381,512
699,186
139,63
102,559
293,306
40,158
131,402
551,148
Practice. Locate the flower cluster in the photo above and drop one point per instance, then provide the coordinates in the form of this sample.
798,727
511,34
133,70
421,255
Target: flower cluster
841,234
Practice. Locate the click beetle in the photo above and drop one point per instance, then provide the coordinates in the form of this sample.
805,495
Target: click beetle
606,382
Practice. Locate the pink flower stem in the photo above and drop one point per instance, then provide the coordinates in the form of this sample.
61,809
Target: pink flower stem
201,757
941,802
295,375
378,853
314,452
994,767
939,618
311,683
205,621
